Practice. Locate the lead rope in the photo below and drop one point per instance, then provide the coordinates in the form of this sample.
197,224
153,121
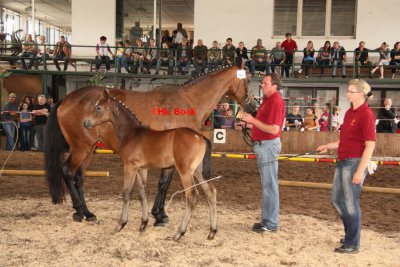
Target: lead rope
11,152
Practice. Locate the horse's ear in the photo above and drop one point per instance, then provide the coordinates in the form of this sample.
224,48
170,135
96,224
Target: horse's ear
106,94
239,63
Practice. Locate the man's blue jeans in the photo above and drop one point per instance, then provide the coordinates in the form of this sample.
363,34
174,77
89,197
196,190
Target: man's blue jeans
346,199
9,130
267,153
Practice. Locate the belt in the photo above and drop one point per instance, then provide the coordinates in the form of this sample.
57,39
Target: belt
257,142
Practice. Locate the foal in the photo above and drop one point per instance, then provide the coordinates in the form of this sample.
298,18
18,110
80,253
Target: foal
142,147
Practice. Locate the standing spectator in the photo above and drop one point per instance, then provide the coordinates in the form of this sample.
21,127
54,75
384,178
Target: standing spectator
43,52
324,57
184,56
335,119
25,120
259,57
136,32
229,120
165,59
214,56
277,57
41,111
294,119
228,53
102,51
180,33
138,56
384,59
395,56
316,110
308,58
29,50
338,58
355,148
166,38
310,121
361,57
151,56
289,45
241,52
386,118
200,57
324,119
9,119
266,132
62,51
50,101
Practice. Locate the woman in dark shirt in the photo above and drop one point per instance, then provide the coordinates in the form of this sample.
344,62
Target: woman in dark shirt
395,56
308,58
386,118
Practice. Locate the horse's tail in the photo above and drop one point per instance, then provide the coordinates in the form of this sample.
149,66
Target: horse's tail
207,160
54,151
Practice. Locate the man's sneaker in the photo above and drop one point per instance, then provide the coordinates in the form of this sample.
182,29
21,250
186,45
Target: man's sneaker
259,228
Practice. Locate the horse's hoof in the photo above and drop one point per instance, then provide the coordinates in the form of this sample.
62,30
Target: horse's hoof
119,227
92,219
211,235
159,224
165,219
77,217
143,226
178,236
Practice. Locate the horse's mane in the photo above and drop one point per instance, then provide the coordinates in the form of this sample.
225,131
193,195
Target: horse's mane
130,113
201,77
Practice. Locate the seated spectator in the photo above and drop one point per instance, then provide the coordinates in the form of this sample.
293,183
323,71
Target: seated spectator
200,57
138,55
310,121
228,53
103,50
335,119
308,58
395,56
124,55
277,57
259,58
386,117
165,59
361,57
229,120
62,51
241,52
290,46
26,124
9,119
294,119
29,51
324,57
384,59
152,53
214,56
184,56
43,52
324,119
338,58
119,55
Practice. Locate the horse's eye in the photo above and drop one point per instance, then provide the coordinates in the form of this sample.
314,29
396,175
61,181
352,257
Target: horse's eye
98,108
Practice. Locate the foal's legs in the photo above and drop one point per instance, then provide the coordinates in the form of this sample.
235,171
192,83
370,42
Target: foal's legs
141,183
211,196
158,207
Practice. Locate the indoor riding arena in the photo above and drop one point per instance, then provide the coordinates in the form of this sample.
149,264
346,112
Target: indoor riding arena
89,100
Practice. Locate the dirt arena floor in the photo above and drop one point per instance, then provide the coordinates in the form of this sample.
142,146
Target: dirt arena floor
34,232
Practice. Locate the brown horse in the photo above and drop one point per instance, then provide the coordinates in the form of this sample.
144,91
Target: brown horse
156,109
141,147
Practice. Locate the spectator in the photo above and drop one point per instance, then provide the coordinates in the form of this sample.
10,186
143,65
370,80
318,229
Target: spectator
136,32
228,53
151,56
335,119
124,55
28,100
9,119
200,57
308,58
102,51
395,56
229,120
316,110
324,57
26,124
277,57
324,119
41,111
138,55
294,119
241,52
225,108
119,55
165,59
361,57
338,58
43,52
214,56
384,59
62,51
259,57
29,50
184,56
386,118
166,38
50,101
180,33
290,46
310,121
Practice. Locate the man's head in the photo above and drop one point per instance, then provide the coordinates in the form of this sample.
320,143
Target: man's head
259,42
278,44
200,42
229,41
215,44
241,45
103,39
41,99
295,108
179,25
288,36
50,100
137,23
361,44
336,45
271,83
12,97
62,39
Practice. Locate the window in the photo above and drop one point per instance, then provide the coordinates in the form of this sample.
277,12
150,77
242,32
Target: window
315,17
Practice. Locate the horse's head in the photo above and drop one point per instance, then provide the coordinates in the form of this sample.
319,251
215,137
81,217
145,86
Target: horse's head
102,112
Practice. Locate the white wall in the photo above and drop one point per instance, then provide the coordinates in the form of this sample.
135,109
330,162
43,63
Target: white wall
90,20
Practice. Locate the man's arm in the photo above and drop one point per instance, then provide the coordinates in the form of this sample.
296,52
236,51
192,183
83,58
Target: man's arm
267,128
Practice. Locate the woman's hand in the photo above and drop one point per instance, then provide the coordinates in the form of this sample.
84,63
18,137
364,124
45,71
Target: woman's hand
357,177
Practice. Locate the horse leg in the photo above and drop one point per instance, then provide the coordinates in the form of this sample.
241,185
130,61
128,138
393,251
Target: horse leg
191,200
211,196
141,182
158,208
129,180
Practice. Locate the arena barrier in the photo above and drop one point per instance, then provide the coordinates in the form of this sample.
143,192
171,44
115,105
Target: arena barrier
42,173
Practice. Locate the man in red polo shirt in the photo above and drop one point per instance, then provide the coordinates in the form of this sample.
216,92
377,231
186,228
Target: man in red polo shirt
266,132
289,45
355,148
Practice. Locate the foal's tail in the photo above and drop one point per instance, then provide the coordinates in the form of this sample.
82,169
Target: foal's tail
207,161
54,151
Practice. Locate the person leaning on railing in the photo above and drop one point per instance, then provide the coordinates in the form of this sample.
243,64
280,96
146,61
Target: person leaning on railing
395,56
338,58
62,51
214,56
308,58
184,56
289,45
277,57
165,59
29,50
384,59
294,119
310,122
386,118
324,57
200,57
228,53
361,57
